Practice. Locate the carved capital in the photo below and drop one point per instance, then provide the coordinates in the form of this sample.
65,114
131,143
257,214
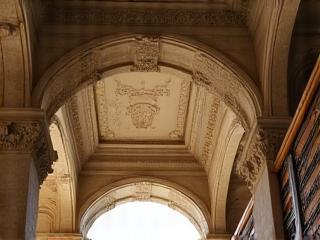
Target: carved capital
29,136
265,143
146,54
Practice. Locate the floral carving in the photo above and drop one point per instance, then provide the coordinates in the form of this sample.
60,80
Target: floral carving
264,147
143,16
102,106
28,136
255,158
182,110
143,102
209,143
146,55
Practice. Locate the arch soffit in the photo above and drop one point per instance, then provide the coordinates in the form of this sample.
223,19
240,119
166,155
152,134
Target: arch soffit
105,56
145,189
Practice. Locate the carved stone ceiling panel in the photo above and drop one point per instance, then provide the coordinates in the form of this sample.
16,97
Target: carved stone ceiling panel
142,106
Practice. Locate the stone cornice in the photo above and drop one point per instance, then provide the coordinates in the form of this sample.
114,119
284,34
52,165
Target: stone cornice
265,142
142,16
27,131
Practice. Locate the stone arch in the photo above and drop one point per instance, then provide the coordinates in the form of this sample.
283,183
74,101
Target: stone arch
105,56
145,189
205,67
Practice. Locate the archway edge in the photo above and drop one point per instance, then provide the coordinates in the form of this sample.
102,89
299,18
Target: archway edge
202,221
50,94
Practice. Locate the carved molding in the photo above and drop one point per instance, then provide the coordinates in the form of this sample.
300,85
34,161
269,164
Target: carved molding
76,126
178,133
263,147
83,71
145,190
28,136
146,54
217,79
117,16
210,141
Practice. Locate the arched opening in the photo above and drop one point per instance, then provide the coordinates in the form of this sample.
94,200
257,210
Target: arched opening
185,111
57,194
145,190
142,221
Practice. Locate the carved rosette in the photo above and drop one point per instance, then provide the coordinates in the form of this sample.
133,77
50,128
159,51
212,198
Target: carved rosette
146,54
264,147
28,136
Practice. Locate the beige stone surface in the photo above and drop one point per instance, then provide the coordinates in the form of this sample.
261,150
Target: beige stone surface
179,94
267,209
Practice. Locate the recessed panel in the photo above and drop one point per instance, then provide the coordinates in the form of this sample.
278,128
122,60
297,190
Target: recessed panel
142,106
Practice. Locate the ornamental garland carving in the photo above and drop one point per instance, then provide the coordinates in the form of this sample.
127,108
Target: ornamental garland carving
28,136
116,16
146,54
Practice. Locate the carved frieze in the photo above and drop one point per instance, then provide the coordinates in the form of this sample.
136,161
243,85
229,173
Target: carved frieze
117,16
73,106
146,54
209,142
28,136
102,108
178,133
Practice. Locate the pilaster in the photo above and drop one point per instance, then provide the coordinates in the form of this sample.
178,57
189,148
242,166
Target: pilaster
256,167
26,156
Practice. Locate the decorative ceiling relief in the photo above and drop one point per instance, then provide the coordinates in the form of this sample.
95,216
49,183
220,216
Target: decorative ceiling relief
143,102
142,106
146,55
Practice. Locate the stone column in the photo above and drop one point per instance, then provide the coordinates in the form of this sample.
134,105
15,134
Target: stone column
255,168
26,156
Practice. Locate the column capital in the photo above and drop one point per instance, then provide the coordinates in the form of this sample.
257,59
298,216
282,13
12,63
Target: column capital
262,146
26,131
